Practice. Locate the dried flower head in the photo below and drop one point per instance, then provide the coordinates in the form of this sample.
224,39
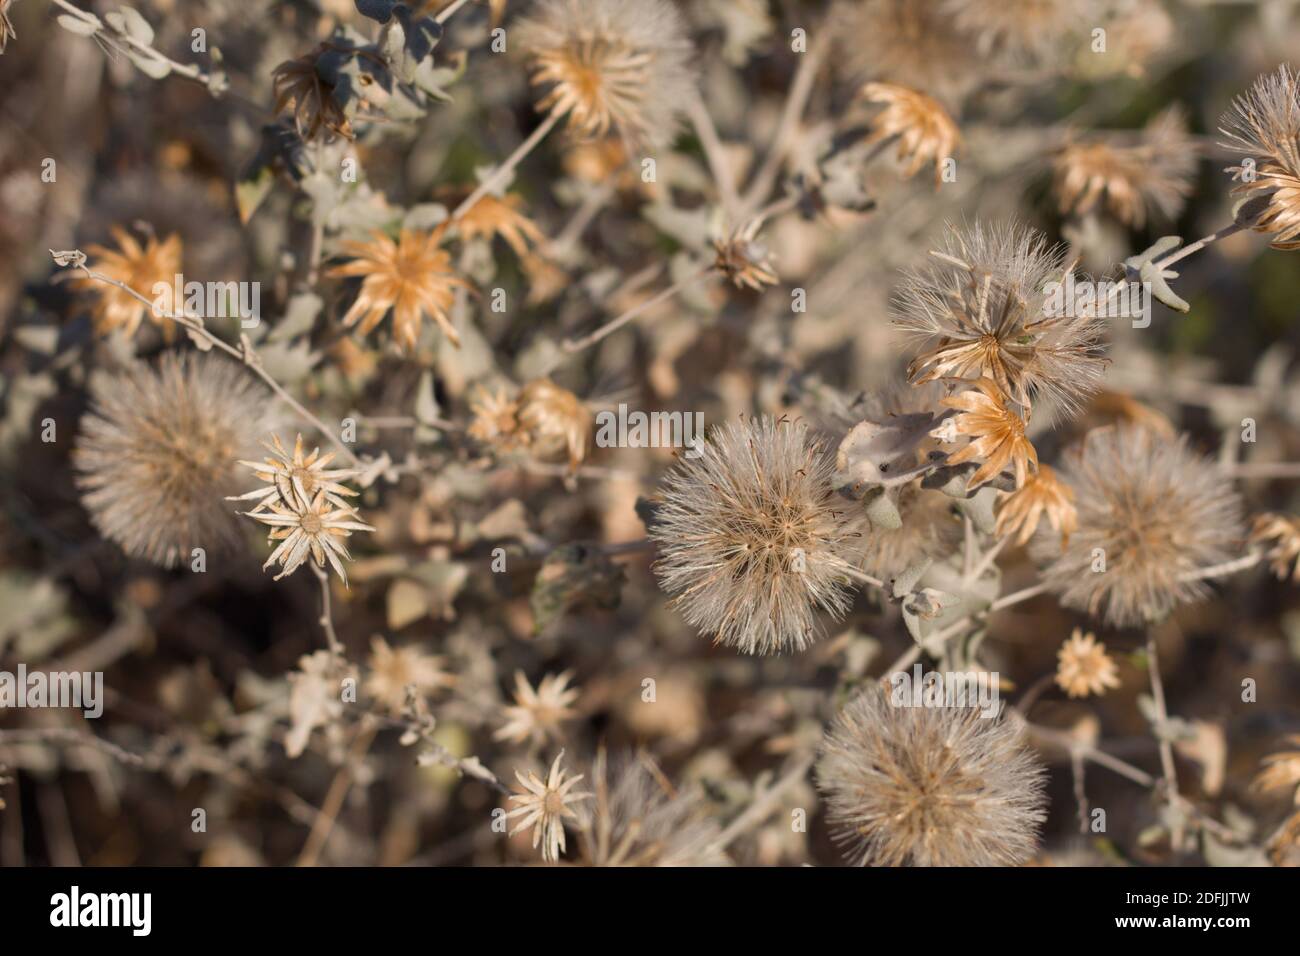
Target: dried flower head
749,539
544,805
1130,178
158,450
294,479
997,434
744,261
539,715
392,670
412,277
929,786
913,42
305,525
554,421
1265,124
986,310
923,128
140,268
1152,514
315,529
1042,495
1083,667
610,65
1283,531
493,216
1281,771
496,419
300,87
638,819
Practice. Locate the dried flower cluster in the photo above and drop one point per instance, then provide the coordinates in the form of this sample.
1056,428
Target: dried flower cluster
604,326
304,509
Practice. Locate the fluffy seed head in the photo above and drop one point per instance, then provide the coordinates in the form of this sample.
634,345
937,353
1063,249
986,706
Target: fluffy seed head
749,539
984,309
1265,124
158,453
929,786
1155,511
611,65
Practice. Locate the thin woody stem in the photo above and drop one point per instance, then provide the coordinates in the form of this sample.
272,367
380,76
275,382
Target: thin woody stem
1224,569
334,797
502,172
327,614
449,11
713,153
1157,692
763,805
801,88
1025,594
613,325
1199,244
245,354
867,579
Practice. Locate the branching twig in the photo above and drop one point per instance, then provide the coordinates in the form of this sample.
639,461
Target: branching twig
198,331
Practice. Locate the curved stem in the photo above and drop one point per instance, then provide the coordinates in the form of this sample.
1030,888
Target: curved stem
1224,569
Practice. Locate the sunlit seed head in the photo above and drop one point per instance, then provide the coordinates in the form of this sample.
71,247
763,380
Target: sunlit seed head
1151,514
751,541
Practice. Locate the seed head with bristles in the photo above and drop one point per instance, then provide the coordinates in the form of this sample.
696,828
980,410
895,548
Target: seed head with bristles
985,309
1151,515
929,786
1265,124
610,65
158,453
749,539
